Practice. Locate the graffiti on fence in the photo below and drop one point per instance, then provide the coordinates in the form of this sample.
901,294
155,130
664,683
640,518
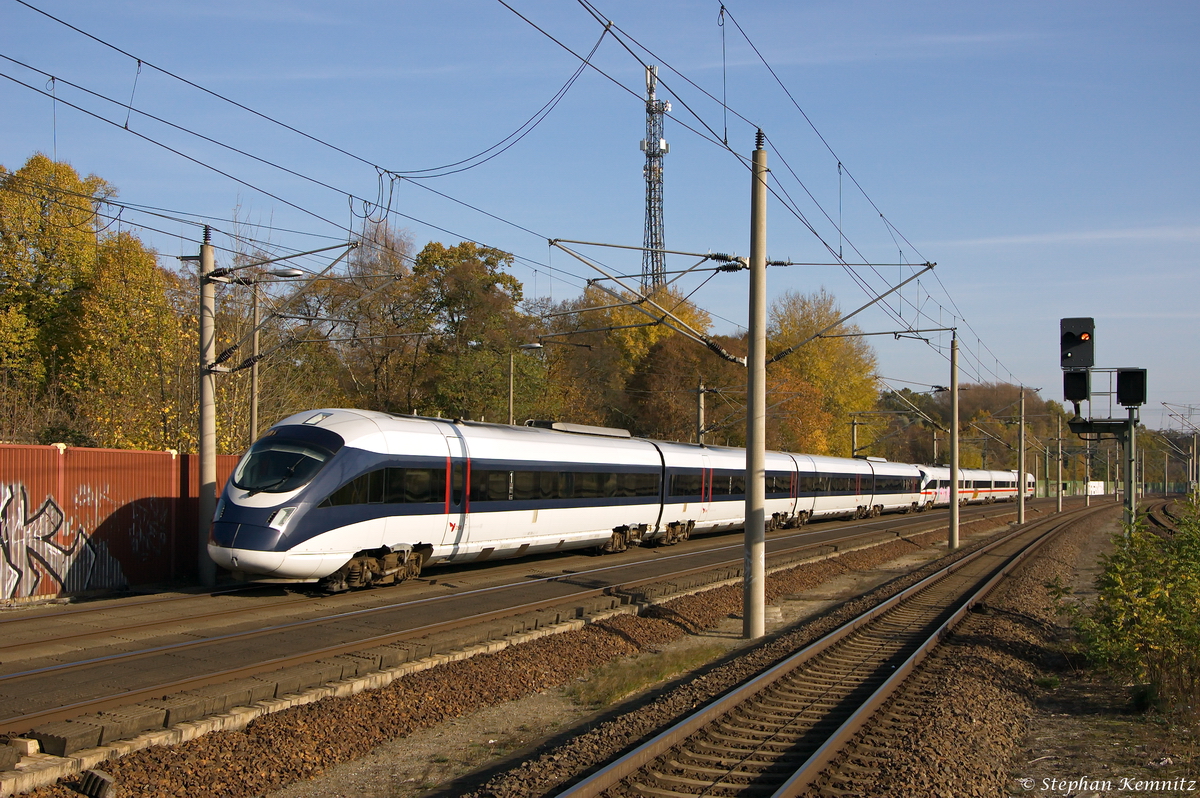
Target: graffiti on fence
144,522
40,546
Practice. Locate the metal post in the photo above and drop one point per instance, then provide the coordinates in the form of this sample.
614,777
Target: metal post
755,570
935,455
1195,470
1059,488
853,436
510,389
1141,477
1021,464
952,542
206,568
700,413
1046,462
1087,475
254,366
1130,466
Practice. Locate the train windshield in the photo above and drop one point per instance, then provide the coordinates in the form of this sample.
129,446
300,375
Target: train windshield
285,459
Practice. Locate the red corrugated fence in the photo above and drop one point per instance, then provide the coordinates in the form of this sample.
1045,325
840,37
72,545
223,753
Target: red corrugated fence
75,520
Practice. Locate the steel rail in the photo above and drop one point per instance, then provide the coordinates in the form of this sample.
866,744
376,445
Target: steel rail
113,631
21,723
647,753
25,617
565,578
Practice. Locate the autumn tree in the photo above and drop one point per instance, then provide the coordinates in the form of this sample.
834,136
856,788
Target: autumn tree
130,368
47,252
475,324
815,388
96,346
604,368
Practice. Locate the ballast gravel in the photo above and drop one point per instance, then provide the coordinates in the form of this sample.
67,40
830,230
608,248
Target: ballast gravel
302,742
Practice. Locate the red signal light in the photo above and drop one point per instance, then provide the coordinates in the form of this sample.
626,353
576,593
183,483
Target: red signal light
1085,336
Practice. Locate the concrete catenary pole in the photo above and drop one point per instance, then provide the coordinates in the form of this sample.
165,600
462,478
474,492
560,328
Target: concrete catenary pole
206,568
1046,467
1195,487
254,365
700,413
1021,464
952,542
1058,490
755,570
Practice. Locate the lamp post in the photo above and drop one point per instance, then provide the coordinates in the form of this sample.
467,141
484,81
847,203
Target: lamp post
534,347
209,275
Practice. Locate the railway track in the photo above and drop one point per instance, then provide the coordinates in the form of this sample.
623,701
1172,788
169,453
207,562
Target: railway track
1161,513
774,734
122,659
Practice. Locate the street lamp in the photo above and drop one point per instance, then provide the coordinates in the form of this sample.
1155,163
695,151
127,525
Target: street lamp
526,348
209,275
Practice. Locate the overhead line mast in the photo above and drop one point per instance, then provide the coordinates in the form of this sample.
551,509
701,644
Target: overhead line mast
654,265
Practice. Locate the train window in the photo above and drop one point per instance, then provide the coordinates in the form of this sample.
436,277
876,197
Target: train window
549,485
587,485
457,482
279,466
525,485
779,482
391,486
375,481
286,458
490,486
685,485
353,492
424,485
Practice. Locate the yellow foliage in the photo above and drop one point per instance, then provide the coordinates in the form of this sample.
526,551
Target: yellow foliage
130,353
821,383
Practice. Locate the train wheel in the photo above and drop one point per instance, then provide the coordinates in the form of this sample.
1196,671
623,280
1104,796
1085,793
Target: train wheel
616,544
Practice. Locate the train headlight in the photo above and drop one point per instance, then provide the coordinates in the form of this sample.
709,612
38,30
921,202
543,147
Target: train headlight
279,518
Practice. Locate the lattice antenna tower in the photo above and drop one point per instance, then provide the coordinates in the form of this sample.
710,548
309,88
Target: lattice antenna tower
654,265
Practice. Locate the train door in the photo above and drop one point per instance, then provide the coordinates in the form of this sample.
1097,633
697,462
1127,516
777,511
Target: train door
457,473
706,487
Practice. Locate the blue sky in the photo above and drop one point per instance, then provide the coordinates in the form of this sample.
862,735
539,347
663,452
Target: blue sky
1043,154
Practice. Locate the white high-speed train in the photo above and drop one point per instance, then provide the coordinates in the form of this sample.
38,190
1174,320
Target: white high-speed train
352,497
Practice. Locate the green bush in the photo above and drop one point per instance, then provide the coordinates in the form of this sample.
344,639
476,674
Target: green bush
1145,623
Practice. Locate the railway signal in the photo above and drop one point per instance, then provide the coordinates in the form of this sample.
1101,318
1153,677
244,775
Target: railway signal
1077,386
1131,387
1076,345
1077,357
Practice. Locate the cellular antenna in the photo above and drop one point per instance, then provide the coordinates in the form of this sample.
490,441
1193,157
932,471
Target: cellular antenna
655,146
